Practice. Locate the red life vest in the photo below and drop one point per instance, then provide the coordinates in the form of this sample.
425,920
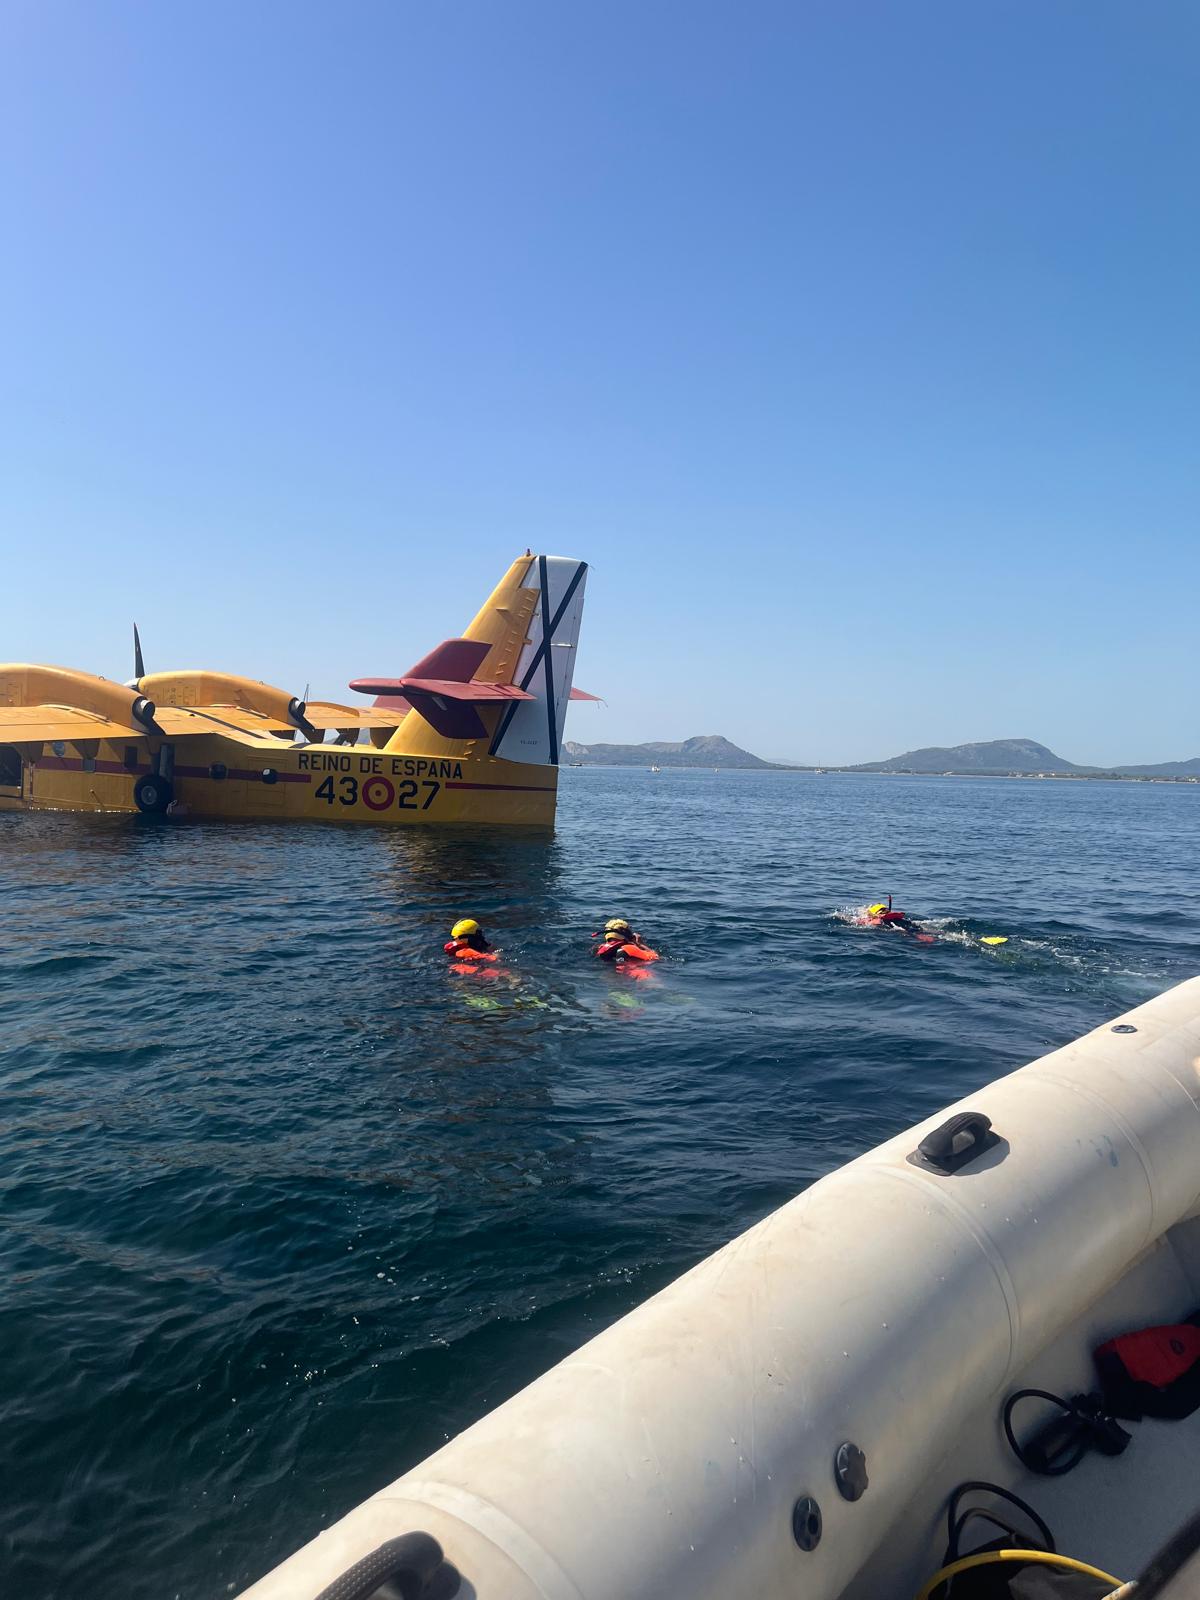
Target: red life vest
1154,1372
632,952
464,952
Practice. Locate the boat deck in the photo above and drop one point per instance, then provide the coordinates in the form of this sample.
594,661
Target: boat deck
1114,1512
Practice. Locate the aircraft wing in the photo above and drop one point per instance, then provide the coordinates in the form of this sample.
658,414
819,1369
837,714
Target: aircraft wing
319,714
47,724
178,721
326,714
50,724
264,741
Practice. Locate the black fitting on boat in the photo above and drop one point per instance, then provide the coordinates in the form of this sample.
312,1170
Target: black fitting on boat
1059,1445
408,1568
955,1144
806,1523
850,1471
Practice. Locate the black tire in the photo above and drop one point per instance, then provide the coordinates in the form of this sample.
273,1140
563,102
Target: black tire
153,794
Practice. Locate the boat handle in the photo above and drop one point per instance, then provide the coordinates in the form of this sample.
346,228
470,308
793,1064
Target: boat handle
956,1143
411,1565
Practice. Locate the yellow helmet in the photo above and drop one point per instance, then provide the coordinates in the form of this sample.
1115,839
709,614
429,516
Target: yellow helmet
875,911
620,923
614,934
462,930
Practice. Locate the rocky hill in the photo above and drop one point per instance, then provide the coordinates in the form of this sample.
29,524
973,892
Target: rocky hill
1164,769
994,755
705,750
1003,756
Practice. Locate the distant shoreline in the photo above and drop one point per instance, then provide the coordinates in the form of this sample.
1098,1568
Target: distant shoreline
855,772
1025,777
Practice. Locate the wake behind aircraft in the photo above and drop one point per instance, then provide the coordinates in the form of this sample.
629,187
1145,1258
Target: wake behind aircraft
471,734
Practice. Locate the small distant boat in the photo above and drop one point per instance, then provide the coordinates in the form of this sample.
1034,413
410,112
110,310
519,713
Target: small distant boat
655,769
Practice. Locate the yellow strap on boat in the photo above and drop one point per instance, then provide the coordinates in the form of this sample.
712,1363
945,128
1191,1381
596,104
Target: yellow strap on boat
1043,1557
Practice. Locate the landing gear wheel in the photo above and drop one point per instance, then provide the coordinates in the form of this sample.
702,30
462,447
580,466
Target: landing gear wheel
153,794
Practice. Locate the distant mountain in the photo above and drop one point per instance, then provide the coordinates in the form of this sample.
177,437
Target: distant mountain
995,755
1164,769
705,750
1003,756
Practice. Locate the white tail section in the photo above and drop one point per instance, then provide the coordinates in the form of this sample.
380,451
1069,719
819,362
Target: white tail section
532,730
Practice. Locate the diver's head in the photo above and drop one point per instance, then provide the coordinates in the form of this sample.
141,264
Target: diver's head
468,932
617,925
876,910
615,935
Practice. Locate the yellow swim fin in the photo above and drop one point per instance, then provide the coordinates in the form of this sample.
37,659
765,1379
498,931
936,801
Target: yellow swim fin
996,938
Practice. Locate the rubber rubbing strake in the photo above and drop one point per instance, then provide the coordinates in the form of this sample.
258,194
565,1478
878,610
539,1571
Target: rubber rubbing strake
964,1218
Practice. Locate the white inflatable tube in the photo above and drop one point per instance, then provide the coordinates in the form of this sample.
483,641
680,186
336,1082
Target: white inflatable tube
881,1307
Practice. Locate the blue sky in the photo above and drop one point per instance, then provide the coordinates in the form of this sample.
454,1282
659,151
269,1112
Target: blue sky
856,346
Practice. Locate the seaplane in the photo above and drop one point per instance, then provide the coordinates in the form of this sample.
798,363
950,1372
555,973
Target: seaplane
471,734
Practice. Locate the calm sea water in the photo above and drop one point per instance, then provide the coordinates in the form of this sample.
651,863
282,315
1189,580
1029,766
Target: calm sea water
284,1207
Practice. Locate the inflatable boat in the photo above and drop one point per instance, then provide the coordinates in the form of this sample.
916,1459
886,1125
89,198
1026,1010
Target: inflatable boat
793,1416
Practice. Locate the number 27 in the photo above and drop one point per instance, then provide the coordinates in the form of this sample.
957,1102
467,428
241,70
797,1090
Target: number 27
406,795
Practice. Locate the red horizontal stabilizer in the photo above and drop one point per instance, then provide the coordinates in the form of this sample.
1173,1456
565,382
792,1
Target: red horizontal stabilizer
474,693
440,687
582,694
457,660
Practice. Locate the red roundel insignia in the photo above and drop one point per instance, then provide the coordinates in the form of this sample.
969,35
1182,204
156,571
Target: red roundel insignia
378,794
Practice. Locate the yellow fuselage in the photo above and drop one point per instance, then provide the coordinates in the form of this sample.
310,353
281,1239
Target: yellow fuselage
254,777
205,744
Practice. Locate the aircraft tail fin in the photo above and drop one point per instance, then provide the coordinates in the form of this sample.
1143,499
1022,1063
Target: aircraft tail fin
503,687
532,730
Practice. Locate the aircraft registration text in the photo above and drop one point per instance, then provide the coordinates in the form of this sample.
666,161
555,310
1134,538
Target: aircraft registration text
409,783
